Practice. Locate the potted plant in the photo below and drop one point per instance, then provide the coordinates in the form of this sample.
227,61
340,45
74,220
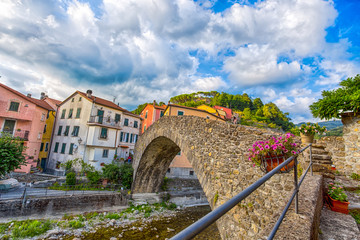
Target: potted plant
308,131
337,198
274,151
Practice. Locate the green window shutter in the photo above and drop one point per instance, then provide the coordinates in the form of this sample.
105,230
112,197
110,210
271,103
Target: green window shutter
56,147
59,131
131,138
117,118
41,147
70,113
78,111
121,136
161,113
63,113
46,147
135,124
71,148
103,133
180,113
63,147
14,106
66,132
75,131
127,137
126,122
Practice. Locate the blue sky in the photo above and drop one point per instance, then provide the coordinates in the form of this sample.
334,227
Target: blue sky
283,51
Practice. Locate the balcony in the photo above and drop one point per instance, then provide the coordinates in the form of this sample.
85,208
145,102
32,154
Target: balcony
104,121
23,134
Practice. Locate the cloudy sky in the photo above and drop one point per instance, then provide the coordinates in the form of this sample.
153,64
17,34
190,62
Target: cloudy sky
284,51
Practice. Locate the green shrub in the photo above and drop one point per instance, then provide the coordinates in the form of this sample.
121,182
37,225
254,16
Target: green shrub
30,228
68,217
93,177
111,172
91,215
164,185
76,224
70,178
113,216
126,175
11,154
355,176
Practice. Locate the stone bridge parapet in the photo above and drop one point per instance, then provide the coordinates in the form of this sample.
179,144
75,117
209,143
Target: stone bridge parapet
218,154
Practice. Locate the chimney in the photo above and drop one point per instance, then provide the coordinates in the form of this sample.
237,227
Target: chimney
42,95
168,102
154,103
28,95
88,93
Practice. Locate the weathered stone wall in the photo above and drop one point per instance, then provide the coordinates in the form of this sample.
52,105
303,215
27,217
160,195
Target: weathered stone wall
61,204
218,153
336,148
351,134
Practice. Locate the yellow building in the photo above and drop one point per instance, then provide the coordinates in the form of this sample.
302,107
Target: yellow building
48,129
178,110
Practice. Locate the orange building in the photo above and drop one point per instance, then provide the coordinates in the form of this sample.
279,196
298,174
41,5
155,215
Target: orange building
150,114
178,110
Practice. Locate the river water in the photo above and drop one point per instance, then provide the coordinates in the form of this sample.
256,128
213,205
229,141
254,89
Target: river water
159,229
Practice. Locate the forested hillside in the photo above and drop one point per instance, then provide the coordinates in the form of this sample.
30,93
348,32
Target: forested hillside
252,111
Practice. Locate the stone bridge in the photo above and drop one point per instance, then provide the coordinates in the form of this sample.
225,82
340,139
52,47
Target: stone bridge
218,153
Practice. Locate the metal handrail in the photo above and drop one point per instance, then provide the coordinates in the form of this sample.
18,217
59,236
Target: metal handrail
218,212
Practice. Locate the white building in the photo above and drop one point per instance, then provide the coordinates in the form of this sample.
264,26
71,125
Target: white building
94,129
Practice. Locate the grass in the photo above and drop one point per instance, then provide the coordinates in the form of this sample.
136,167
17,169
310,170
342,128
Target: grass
82,187
355,176
356,216
27,228
76,224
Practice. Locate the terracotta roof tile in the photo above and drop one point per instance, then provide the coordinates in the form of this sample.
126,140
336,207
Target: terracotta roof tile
37,102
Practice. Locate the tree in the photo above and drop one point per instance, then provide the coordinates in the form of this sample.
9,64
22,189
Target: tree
11,154
345,98
247,113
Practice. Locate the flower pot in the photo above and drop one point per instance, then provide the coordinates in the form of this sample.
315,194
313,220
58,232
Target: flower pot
338,206
271,162
105,182
307,138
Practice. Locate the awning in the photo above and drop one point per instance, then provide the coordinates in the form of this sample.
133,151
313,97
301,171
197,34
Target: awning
124,146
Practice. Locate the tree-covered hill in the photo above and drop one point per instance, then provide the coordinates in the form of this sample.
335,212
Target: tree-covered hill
328,124
252,111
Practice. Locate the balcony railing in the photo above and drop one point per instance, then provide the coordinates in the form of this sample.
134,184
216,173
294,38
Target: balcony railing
23,134
106,121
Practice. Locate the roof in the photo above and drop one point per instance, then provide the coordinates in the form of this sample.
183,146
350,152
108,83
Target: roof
103,102
57,102
191,108
35,101
227,110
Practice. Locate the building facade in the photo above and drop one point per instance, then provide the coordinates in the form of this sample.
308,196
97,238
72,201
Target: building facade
23,117
150,114
93,129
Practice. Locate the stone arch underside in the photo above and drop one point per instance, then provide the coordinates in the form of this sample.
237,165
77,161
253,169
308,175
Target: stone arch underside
218,153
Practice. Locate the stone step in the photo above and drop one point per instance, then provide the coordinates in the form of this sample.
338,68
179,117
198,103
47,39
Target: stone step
321,157
319,151
324,168
319,161
320,146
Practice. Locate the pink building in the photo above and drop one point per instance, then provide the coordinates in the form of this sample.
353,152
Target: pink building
150,114
23,117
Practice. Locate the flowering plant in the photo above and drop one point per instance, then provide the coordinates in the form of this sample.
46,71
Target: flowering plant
336,192
283,145
311,129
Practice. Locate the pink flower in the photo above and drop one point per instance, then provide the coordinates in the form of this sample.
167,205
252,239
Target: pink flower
333,187
331,183
261,149
293,152
254,165
249,158
267,147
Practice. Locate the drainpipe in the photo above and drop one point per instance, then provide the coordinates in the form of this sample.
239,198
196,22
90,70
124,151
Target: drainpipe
87,130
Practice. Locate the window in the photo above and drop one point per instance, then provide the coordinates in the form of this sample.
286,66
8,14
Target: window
144,128
41,147
42,117
67,129
117,118
14,106
126,122
127,137
161,113
63,147
60,130
72,100
71,148
191,173
39,135
63,113
70,113
168,170
121,136
131,138
103,133
79,99
78,111
105,153
46,147
136,137
179,153
56,147
146,114
45,128
135,124
207,117
180,113
75,131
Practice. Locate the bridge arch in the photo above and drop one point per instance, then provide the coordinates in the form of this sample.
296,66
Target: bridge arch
218,153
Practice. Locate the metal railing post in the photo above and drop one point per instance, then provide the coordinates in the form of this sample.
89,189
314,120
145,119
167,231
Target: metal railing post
296,186
311,168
